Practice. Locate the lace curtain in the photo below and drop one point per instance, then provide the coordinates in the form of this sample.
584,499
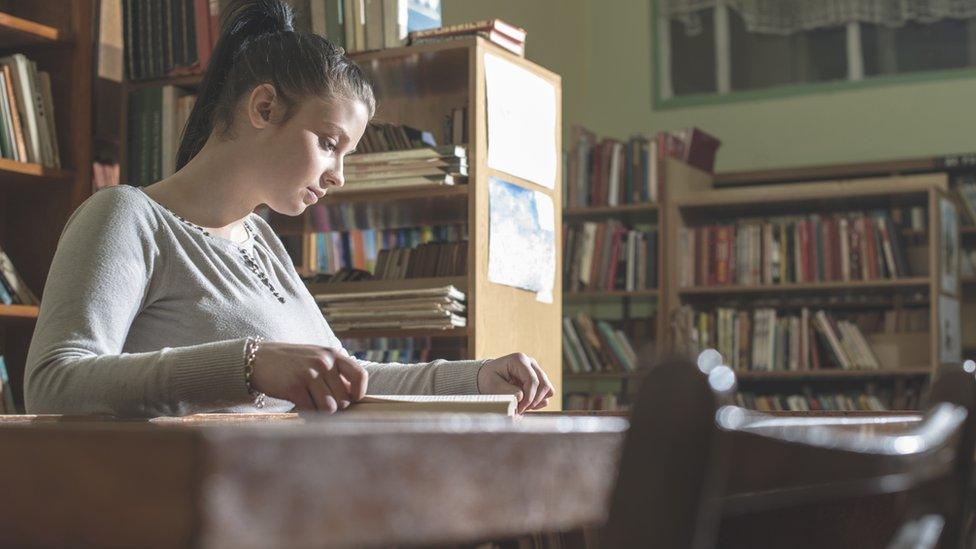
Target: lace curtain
786,17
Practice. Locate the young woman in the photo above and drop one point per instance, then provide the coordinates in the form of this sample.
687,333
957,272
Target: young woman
175,298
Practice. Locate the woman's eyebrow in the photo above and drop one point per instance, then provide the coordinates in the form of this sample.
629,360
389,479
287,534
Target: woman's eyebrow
338,129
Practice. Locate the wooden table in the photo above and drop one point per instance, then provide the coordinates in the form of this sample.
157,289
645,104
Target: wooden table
289,481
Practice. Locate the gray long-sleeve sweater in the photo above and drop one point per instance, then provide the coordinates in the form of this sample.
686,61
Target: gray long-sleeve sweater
145,315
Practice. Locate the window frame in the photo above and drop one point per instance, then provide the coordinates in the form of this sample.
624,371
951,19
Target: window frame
663,90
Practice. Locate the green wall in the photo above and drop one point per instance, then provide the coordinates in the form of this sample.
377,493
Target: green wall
602,48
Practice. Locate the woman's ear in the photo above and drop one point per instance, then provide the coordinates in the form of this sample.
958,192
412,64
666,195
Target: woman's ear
263,106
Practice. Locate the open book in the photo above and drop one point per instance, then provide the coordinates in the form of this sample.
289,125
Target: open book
492,404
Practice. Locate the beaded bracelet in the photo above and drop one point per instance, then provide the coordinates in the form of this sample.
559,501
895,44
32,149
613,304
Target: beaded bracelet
251,351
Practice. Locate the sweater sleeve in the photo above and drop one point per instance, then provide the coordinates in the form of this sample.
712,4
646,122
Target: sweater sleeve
103,270
439,377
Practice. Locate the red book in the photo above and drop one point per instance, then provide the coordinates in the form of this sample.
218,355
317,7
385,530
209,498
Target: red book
828,249
201,15
598,251
805,251
722,251
870,248
615,256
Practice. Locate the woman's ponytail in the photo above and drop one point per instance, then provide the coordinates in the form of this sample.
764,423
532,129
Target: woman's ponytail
258,44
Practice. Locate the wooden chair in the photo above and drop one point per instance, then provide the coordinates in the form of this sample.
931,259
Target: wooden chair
696,472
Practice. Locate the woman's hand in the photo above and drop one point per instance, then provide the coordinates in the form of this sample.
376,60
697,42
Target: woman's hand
312,377
519,375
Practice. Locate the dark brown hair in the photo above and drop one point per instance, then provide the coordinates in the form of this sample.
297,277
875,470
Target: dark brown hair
258,44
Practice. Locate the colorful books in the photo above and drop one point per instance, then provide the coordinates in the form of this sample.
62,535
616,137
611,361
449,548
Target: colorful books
27,126
795,249
415,252
609,256
13,288
596,346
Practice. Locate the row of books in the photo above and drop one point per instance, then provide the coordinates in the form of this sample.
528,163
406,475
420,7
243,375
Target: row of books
872,397
157,116
499,32
7,404
610,172
609,256
27,128
439,308
765,340
13,288
816,248
433,259
595,346
168,38
406,168
403,349
361,248
382,137
360,25
593,401
337,215
806,403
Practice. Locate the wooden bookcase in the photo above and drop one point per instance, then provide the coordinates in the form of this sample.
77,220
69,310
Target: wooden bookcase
418,86
36,202
857,195
641,313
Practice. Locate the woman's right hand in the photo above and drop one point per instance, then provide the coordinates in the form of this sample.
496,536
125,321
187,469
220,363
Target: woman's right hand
310,376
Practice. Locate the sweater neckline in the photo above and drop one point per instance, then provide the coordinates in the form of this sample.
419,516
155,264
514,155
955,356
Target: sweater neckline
209,235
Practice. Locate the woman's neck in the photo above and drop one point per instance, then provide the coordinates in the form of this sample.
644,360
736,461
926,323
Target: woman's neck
213,190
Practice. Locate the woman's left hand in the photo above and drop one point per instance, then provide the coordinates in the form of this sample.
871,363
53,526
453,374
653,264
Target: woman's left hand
519,375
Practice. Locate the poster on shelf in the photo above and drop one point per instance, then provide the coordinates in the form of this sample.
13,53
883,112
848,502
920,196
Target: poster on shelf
950,335
521,122
521,238
949,247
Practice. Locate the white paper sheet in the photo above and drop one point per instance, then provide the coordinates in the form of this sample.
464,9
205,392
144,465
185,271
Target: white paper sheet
950,336
522,238
521,122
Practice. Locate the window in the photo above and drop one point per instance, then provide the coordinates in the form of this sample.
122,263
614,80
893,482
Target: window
718,47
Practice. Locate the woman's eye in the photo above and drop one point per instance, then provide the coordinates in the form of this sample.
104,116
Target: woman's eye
327,144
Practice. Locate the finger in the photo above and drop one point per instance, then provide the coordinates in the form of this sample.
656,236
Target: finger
545,386
321,393
543,404
302,399
529,381
338,387
354,374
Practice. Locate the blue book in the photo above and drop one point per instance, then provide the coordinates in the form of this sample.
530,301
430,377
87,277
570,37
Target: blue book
8,392
5,296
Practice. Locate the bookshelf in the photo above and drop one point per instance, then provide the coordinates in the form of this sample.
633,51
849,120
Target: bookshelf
919,290
417,86
36,201
639,313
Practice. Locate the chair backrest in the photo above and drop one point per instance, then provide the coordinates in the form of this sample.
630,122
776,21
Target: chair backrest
695,472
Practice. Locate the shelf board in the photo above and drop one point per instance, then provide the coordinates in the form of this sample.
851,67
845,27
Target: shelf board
366,334
16,32
20,174
806,287
459,282
10,314
967,231
586,211
830,374
406,193
577,296
186,81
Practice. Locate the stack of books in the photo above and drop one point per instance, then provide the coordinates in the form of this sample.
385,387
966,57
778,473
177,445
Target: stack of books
765,340
595,346
360,25
7,405
27,129
399,169
499,32
815,248
169,38
609,256
376,250
440,308
13,289
157,116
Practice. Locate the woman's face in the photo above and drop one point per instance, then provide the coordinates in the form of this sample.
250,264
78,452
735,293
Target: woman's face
306,152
